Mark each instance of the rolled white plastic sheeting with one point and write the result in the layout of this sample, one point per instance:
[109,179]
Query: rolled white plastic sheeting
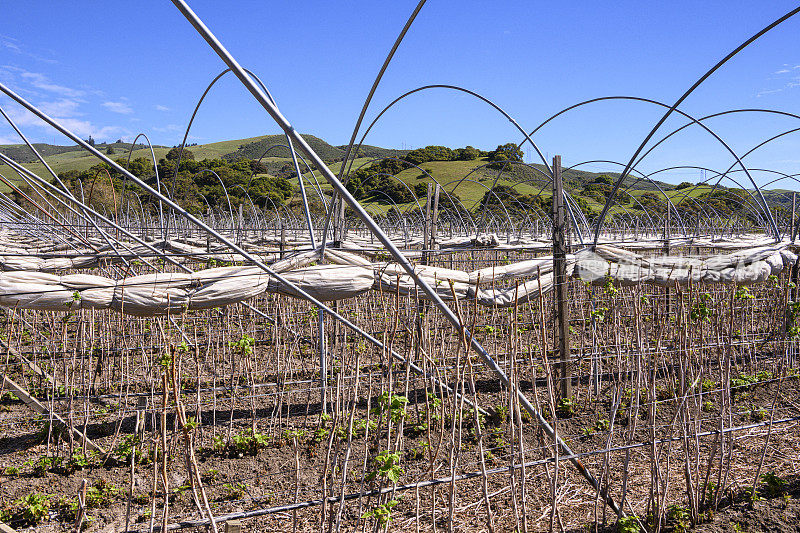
[349,275]
[628,268]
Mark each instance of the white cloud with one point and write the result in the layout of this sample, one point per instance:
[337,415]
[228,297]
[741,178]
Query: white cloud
[161,108]
[61,108]
[167,128]
[10,43]
[40,81]
[118,107]
[64,104]
[84,128]
[788,82]
[14,47]
[767,91]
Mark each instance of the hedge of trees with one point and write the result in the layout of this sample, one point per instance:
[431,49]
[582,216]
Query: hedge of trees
[198,184]
[376,182]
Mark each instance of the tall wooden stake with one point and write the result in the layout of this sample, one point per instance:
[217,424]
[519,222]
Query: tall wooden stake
[795,275]
[667,250]
[241,221]
[560,271]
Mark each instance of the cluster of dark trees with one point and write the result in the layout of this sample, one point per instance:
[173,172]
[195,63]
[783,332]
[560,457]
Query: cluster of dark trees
[600,190]
[517,203]
[376,181]
[197,184]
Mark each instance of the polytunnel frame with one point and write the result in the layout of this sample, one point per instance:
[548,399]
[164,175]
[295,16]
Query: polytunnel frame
[19,220]
[455,88]
[64,223]
[674,108]
[426,173]
[57,180]
[273,111]
[317,187]
[164,228]
[728,112]
[731,168]
[756,209]
[288,140]
[628,188]
[257,262]
[762,143]
[546,180]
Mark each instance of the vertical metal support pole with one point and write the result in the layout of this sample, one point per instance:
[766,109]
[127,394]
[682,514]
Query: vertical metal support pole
[435,217]
[426,233]
[793,223]
[560,271]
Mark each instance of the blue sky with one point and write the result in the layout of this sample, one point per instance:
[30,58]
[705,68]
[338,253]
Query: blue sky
[113,70]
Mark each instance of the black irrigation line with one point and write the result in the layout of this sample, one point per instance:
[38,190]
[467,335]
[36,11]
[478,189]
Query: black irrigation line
[604,376]
[604,351]
[502,453]
[127,411]
[438,481]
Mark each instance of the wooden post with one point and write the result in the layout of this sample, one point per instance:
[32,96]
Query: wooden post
[795,272]
[667,249]
[338,223]
[241,222]
[283,236]
[81,514]
[141,416]
[233,526]
[208,237]
[560,278]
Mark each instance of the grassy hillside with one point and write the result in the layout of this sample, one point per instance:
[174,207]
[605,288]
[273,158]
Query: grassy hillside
[375,152]
[22,154]
[469,180]
[277,144]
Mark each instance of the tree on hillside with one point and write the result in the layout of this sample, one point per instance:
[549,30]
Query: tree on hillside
[503,153]
[173,154]
[602,178]
[468,153]
[506,152]
[429,153]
